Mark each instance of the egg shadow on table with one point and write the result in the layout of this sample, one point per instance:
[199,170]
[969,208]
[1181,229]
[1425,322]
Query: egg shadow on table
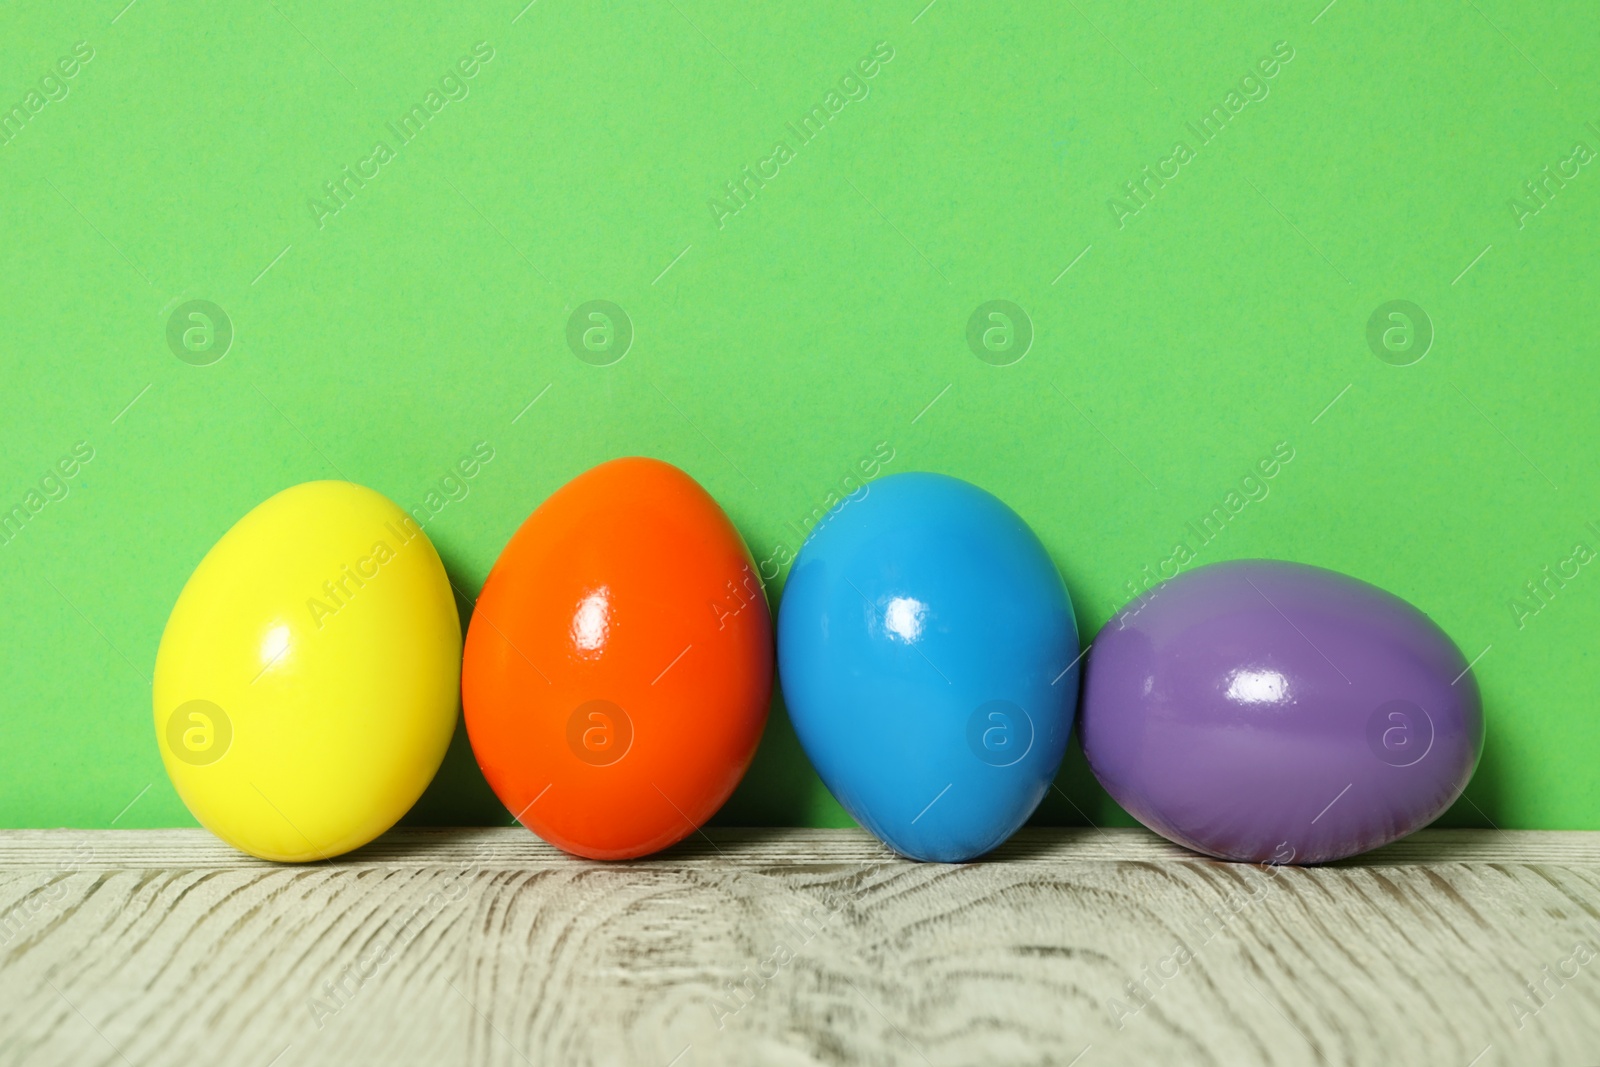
[1478,808]
[1482,804]
[459,795]
[1076,797]
[781,789]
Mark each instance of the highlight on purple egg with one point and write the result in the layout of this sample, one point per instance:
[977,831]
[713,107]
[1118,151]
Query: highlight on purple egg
[1276,712]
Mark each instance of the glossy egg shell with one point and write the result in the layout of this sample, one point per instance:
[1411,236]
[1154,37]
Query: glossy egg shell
[927,649]
[1279,713]
[305,688]
[619,662]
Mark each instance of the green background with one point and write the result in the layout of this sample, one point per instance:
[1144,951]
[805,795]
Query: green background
[775,351]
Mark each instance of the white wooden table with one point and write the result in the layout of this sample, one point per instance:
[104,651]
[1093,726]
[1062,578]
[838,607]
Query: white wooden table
[793,947]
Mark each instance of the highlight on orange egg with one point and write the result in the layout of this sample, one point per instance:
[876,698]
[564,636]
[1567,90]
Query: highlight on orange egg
[619,662]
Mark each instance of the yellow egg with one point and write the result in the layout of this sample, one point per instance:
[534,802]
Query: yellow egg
[308,679]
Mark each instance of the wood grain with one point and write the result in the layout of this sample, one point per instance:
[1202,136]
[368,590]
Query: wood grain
[795,947]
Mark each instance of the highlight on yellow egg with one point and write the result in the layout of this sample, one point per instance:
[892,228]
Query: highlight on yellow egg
[308,679]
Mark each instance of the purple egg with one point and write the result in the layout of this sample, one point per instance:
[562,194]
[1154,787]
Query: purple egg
[1278,713]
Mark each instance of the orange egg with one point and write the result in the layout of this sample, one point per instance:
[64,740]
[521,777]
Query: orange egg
[619,662]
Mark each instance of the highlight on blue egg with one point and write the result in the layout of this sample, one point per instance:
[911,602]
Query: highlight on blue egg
[928,652]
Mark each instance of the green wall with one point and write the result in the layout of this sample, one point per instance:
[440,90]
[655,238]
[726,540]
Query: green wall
[1182,322]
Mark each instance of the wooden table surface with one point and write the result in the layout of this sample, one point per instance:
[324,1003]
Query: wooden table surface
[790,946]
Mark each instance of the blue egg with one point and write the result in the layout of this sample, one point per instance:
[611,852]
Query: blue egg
[928,655]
